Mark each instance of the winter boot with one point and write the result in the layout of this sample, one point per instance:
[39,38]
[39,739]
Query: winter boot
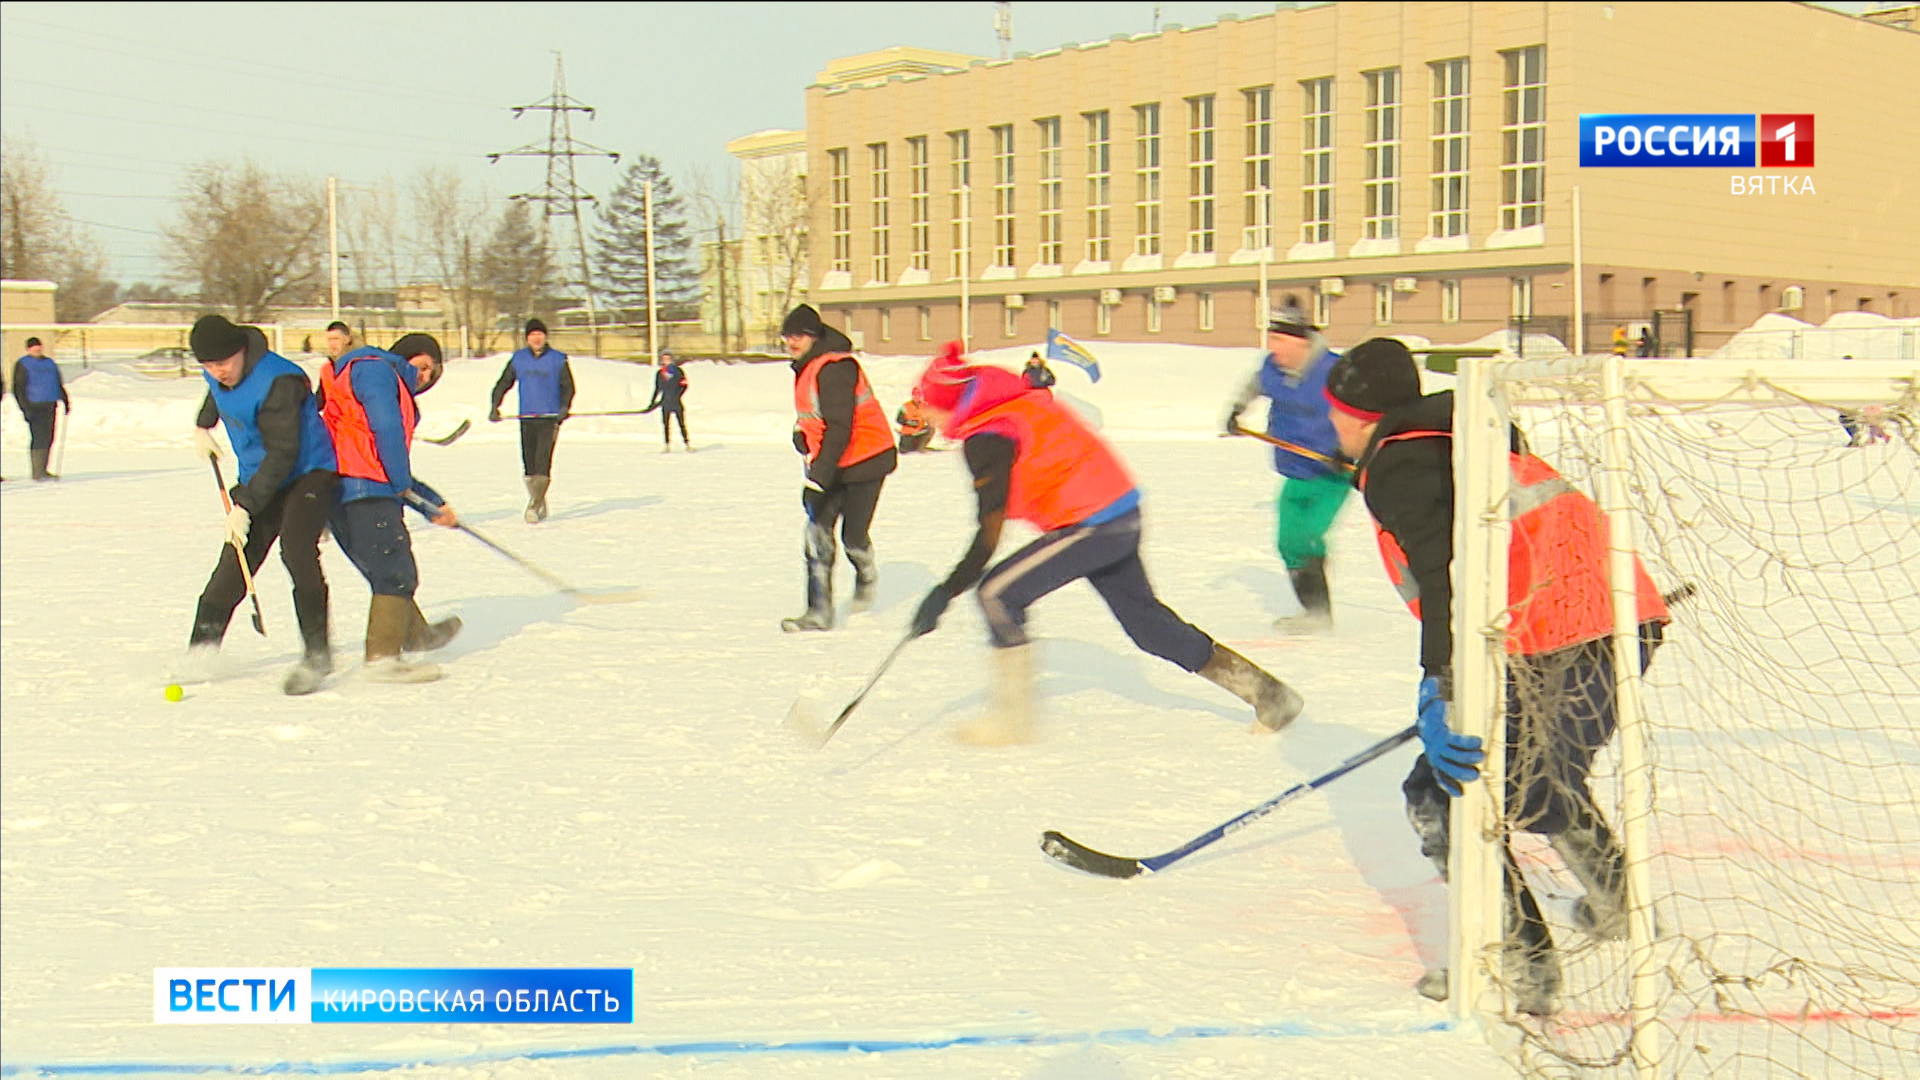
[39,457]
[1008,719]
[1274,703]
[1528,961]
[1310,588]
[819,558]
[1594,856]
[866,578]
[1433,985]
[388,621]
[423,636]
[317,663]
[537,498]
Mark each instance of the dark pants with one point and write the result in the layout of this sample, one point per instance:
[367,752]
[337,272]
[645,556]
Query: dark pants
[295,517]
[40,424]
[666,425]
[537,435]
[913,444]
[374,535]
[852,506]
[1108,556]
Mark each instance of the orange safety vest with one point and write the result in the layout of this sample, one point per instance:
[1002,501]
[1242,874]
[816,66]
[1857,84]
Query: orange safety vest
[913,419]
[1558,589]
[871,432]
[1063,473]
[346,420]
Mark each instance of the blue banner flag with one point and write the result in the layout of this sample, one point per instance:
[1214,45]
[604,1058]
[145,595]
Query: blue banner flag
[1068,351]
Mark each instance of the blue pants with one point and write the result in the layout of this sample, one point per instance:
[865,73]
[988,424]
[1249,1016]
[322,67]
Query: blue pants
[374,536]
[1108,556]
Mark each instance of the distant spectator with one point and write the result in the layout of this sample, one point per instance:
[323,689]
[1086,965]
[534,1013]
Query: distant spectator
[37,388]
[1619,341]
[1037,374]
[1647,346]
[916,427]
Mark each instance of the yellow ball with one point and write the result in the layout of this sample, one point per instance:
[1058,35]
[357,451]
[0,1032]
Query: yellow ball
[174,693]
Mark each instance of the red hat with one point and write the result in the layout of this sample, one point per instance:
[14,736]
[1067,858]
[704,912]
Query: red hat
[945,379]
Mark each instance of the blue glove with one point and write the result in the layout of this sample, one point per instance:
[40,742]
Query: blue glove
[1451,756]
[928,616]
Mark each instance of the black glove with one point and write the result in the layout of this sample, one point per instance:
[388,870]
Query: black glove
[493,414]
[928,616]
[1233,423]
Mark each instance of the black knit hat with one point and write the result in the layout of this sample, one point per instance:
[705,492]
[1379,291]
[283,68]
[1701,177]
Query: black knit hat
[414,345]
[1289,319]
[214,338]
[1374,376]
[32,341]
[535,324]
[340,326]
[803,320]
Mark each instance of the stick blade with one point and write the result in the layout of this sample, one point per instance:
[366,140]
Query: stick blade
[1070,852]
[452,435]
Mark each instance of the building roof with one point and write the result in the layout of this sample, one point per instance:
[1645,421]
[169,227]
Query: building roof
[871,68]
[769,143]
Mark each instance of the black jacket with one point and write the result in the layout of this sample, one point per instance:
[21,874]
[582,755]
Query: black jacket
[1408,487]
[837,381]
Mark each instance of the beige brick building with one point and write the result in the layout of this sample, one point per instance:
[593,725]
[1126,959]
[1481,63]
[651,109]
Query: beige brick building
[1401,168]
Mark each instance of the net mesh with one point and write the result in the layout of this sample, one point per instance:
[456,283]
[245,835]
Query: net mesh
[1783,717]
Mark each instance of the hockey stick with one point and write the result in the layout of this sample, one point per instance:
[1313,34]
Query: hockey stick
[420,504]
[1295,448]
[239,548]
[1081,857]
[450,436]
[60,454]
[574,415]
[862,695]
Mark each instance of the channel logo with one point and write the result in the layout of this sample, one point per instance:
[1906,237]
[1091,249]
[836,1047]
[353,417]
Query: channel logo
[1696,140]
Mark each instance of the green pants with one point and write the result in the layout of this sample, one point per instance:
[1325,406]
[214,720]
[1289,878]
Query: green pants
[1307,509]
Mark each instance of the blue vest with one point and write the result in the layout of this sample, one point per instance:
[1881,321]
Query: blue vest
[240,409]
[43,378]
[1297,412]
[539,380]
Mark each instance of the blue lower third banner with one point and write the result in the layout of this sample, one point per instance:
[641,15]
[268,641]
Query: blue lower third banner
[393,995]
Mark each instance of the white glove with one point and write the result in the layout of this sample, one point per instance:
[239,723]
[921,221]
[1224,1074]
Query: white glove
[238,522]
[203,443]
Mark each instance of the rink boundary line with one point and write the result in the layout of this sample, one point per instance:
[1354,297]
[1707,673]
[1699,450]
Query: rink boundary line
[733,1047]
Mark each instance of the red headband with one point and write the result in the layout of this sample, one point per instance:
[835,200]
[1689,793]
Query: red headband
[1352,410]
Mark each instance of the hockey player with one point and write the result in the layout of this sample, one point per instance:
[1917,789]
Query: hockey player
[286,483]
[1034,460]
[1559,709]
[37,389]
[669,391]
[916,428]
[1037,374]
[369,411]
[842,432]
[339,339]
[546,397]
[1291,378]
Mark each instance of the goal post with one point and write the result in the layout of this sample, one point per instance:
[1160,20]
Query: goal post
[1761,796]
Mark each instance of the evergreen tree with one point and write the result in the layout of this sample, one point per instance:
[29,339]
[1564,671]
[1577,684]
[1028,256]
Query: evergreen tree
[620,244]
[516,264]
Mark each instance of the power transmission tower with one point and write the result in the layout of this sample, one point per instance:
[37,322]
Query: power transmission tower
[562,194]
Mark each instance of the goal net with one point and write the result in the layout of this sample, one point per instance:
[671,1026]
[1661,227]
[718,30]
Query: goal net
[1759,807]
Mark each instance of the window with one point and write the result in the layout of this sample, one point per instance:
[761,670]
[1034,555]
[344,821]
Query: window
[1053,314]
[1102,318]
[1050,193]
[1522,307]
[920,202]
[1316,161]
[1259,186]
[881,233]
[1200,174]
[1003,195]
[1206,311]
[1382,151]
[960,201]
[886,324]
[1449,301]
[1449,149]
[1146,179]
[1099,187]
[1322,309]
[840,195]
[1009,320]
[1382,304]
[1153,315]
[926,324]
[1523,137]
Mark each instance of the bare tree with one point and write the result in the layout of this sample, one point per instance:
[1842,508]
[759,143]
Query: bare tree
[39,241]
[247,240]
[714,203]
[448,228]
[517,264]
[370,224]
[775,204]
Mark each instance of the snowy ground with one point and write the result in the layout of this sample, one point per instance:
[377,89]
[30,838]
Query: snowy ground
[614,785]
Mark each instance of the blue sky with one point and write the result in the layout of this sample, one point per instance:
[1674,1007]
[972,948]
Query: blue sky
[118,98]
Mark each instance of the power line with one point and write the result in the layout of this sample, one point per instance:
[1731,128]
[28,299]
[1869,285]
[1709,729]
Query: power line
[251,134]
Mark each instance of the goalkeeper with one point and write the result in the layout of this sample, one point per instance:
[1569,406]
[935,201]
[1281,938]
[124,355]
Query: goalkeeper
[1559,709]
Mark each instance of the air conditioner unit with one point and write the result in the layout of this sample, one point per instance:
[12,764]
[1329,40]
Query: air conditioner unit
[1163,294]
[1015,301]
[1793,298]
[1406,284]
[1110,297]
[1333,286]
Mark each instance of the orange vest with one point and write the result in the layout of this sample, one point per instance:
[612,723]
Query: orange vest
[871,432]
[346,421]
[1062,472]
[1558,589]
[913,419]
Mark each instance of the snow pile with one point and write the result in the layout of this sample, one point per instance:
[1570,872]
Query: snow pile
[1861,335]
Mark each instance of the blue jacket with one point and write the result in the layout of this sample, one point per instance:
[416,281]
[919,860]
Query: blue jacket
[36,381]
[1297,412]
[274,426]
[546,382]
[378,379]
